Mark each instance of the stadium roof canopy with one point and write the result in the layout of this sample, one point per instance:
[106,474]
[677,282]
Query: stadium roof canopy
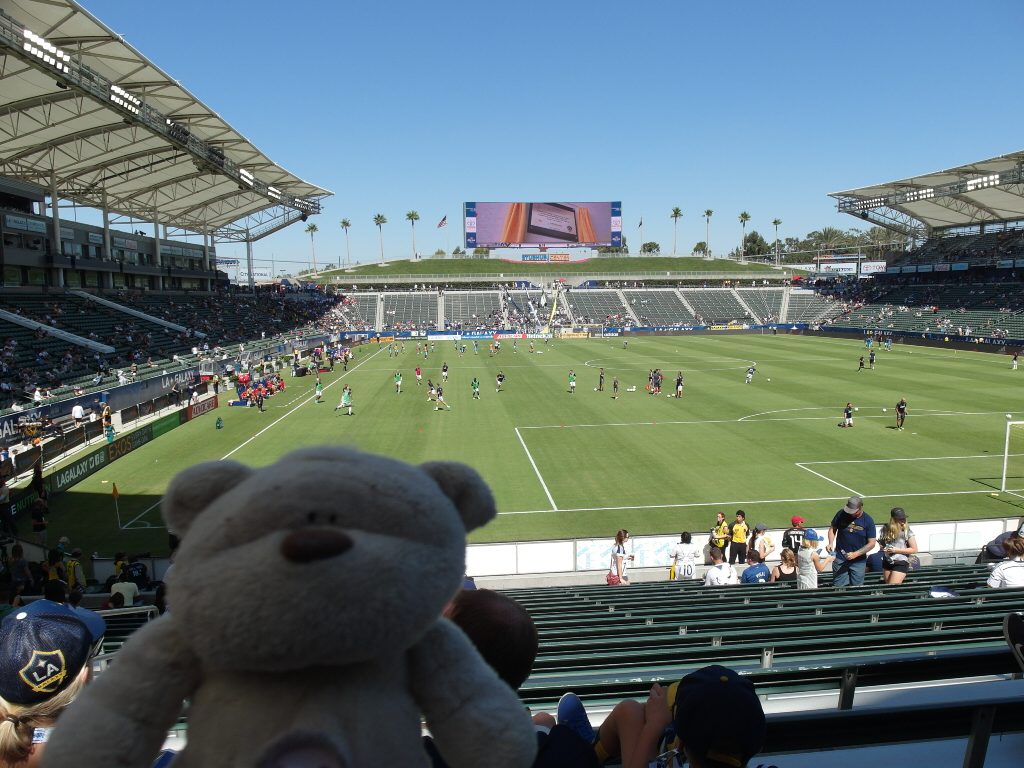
[985,192]
[84,114]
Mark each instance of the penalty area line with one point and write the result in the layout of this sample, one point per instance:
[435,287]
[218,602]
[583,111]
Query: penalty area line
[551,501]
[830,480]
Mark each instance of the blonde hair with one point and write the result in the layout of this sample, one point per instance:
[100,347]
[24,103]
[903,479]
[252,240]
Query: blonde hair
[893,530]
[809,543]
[18,720]
[788,556]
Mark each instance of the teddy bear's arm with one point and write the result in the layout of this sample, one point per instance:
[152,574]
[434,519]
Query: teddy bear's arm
[475,718]
[122,718]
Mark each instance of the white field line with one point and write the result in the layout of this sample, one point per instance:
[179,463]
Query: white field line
[154,506]
[919,458]
[935,352]
[918,412]
[293,410]
[554,507]
[748,420]
[830,480]
[128,525]
[144,524]
[745,502]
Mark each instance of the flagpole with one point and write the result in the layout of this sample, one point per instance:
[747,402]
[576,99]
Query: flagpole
[117,508]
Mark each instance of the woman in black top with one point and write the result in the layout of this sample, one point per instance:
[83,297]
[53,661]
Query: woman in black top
[786,570]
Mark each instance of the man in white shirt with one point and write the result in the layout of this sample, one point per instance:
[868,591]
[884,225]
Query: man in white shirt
[78,414]
[720,572]
[128,589]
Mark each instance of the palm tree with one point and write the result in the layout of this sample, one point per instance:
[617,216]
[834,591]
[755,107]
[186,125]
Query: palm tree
[412,217]
[708,213]
[676,215]
[776,223]
[345,224]
[312,229]
[380,220]
[744,218]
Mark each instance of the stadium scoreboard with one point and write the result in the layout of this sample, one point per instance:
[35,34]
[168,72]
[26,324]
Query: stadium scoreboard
[517,225]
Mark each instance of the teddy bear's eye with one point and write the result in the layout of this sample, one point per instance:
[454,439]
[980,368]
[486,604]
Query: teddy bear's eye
[333,519]
[311,517]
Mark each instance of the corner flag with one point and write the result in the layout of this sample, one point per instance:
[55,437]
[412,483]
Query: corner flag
[114,492]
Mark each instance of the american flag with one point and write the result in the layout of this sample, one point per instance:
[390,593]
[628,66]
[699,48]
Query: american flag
[443,222]
[641,224]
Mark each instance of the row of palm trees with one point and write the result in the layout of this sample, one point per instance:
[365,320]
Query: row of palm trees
[379,220]
[744,217]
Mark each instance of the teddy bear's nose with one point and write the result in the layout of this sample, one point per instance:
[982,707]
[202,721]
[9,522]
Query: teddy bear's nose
[311,544]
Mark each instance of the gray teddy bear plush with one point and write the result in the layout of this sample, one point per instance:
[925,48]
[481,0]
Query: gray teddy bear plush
[304,626]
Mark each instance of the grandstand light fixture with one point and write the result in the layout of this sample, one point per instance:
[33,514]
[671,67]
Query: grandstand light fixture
[873,202]
[920,194]
[125,100]
[46,52]
[247,177]
[274,192]
[983,181]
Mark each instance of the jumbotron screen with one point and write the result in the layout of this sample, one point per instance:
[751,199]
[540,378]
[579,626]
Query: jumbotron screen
[511,225]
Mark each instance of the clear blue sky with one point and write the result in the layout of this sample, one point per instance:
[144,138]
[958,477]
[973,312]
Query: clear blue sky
[756,106]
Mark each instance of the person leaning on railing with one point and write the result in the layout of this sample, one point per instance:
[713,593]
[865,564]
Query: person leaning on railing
[995,550]
[1010,572]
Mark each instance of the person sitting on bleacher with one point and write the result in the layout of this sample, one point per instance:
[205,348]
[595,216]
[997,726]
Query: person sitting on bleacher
[33,694]
[995,551]
[1010,572]
[506,637]
[787,568]
[719,572]
[137,572]
[125,587]
[756,572]
[712,718]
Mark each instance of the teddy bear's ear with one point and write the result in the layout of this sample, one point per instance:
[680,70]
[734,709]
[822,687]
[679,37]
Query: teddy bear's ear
[192,490]
[467,490]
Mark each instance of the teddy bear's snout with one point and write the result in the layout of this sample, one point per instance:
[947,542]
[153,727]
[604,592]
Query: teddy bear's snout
[310,544]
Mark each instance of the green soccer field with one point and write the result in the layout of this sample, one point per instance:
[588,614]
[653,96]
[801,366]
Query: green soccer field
[584,465]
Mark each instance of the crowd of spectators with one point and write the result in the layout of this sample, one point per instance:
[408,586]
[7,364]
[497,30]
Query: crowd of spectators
[210,323]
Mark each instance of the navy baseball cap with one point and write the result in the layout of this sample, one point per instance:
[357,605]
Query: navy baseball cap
[95,623]
[718,716]
[40,655]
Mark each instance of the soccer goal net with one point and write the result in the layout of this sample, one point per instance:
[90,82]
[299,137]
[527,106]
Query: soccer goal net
[1013,458]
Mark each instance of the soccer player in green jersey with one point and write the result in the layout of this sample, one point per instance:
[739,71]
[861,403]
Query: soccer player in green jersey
[475,385]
